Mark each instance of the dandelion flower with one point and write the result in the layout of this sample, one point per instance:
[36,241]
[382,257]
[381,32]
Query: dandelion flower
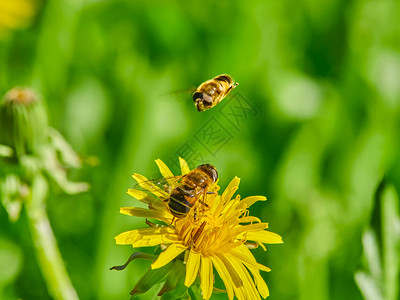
[215,234]
[15,14]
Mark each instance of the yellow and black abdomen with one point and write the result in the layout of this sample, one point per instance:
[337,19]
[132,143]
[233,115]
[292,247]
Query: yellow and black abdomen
[224,78]
[178,202]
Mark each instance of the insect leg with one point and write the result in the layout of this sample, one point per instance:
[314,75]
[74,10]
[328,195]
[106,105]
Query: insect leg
[151,224]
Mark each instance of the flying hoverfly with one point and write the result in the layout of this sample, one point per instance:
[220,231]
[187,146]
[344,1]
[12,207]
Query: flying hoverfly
[187,190]
[213,91]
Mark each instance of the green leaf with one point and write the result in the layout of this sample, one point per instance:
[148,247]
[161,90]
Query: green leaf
[381,248]
[391,249]
[372,254]
[12,194]
[368,286]
[10,261]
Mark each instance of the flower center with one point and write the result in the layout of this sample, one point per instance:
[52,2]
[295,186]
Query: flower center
[209,233]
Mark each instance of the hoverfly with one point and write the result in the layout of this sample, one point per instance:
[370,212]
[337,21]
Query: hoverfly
[187,189]
[213,91]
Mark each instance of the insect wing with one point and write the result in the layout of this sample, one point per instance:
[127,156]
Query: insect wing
[178,96]
[159,189]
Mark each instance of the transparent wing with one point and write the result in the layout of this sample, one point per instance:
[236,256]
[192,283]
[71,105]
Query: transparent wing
[160,194]
[178,95]
[159,187]
[156,192]
[179,98]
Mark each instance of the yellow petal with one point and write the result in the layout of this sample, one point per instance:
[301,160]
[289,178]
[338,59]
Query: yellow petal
[216,200]
[248,259]
[169,254]
[165,172]
[245,230]
[260,283]
[143,212]
[139,195]
[237,281]
[262,246]
[186,256]
[147,237]
[224,274]
[245,252]
[150,186]
[206,277]
[234,278]
[192,268]
[230,190]
[184,166]
[147,199]
[230,206]
[250,219]
[264,236]
[248,284]
[249,201]
[254,269]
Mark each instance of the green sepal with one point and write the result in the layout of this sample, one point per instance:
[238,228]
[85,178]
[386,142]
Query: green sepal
[175,295]
[133,256]
[195,291]
[174,287]
[12,195]
[151,278]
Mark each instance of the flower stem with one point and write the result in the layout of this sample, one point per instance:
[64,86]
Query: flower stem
[47,252]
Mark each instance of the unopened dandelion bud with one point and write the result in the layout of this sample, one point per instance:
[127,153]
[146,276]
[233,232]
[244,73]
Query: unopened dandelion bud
[23,121]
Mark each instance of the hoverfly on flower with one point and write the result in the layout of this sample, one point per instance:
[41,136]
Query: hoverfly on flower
[181,193]
[195,244]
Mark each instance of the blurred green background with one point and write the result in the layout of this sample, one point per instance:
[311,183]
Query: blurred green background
[321,81]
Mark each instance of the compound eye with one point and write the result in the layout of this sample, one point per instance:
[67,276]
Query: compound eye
[210,170]
[198,96]
[214,174]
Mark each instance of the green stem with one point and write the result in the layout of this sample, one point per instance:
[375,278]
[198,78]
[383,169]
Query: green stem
[47,252]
